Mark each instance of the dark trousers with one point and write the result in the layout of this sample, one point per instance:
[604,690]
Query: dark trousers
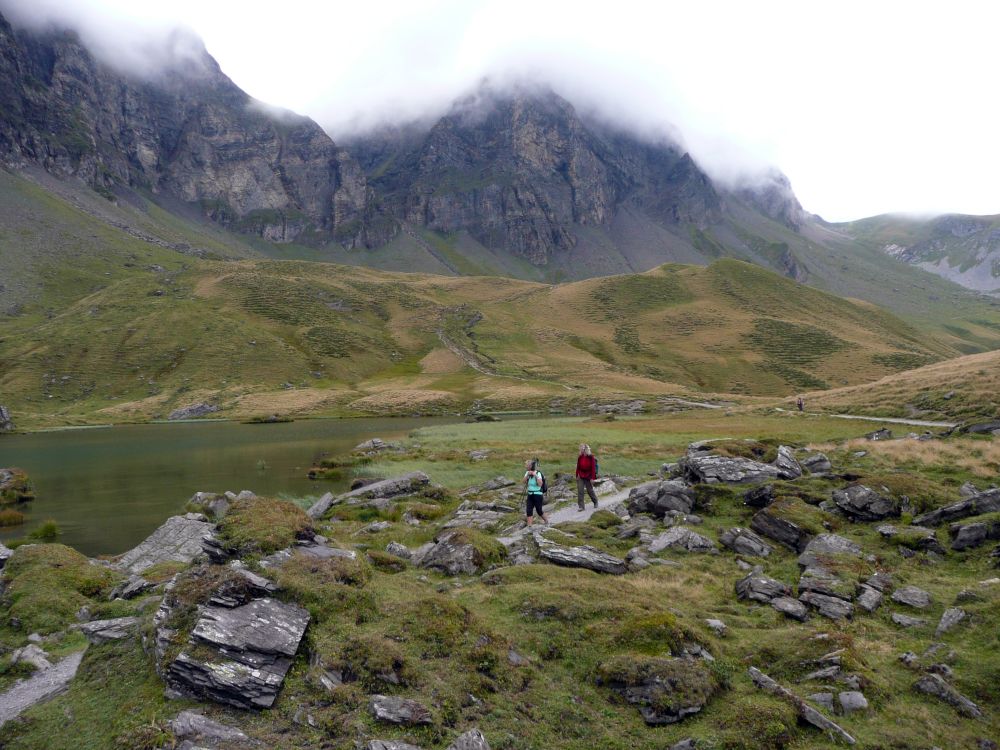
[581,485]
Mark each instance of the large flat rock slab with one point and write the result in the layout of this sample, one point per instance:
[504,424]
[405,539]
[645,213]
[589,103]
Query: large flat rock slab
[38,688]
[177,540]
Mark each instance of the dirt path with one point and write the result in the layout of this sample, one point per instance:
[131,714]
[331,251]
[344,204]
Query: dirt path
[40,687]
[568,512]
[889,420]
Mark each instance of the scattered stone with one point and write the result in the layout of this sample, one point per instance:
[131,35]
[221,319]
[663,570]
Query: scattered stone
[191,725]
[745,542]
[192,410]
[807,712]
[634,526]
[932,684]
[375,446]
[822,581]
[906,621]
[396,710]
[984,502]
[399,550]
[582,557]
[967,596]
[825,546]
[816,463]
[374,527]
[949,619]
[31,654]
[909,658]
[791,608]
[769,524]
[307,548]
[920,537]
[759,497]
[826,673]
[852,701]
[656,498]
[881,581]
[103,631]
[788,467]
[665,690]
[253,646]
[712,469]
[761,588]
[860,503]
[390,745]
[471,740]
[968,490]
[825,700]
[515,659]
[179,539]
[688,743]
[717,626]
[38,688]
[912,597]
[969,535]
[479,455]
[130,588]
[6,421]
[452,555]
[880,434]
[681,537]
[829,606]
[869,598]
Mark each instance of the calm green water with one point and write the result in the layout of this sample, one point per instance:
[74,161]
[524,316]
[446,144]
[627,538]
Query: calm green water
[109,488]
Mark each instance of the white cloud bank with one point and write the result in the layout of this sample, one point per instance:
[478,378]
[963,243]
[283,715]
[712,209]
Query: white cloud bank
[867,107]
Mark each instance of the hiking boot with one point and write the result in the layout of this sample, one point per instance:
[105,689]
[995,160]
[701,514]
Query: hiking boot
[580,508]
[595,503]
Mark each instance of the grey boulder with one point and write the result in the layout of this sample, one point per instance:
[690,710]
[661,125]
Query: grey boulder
[581,557]
[969,535]
[471,740]
[744,542]
[790,607]
[681,537]
[179,539]
[869,598]
[983,502]
[949,619]
[832,607]
[102,631]
[934,685]
[852,701]
[816,463]
[905,621]
[712,469]
[452,556]
[770,524]
[656,498]
[860,503]
[395,710]
[385,489]
[912,597]
[825,546]
[390,745]
[191,725]
[786,463]
[761,588]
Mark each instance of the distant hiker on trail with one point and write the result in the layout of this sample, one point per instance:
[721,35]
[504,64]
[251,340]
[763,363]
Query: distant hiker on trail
[800,403]
[586,473]
[535,488]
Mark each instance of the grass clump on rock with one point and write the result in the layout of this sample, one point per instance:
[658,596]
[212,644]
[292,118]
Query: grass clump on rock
[655,634]
[328,586]
[49,583]
[488,550]
[15,486]
[263,526]
[674,685]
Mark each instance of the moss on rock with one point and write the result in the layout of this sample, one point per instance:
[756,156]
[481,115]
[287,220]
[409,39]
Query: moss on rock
[263,525]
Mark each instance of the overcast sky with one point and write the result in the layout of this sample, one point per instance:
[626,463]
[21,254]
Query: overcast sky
[868,107]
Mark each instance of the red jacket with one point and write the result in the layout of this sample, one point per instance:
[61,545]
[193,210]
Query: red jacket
[585,467]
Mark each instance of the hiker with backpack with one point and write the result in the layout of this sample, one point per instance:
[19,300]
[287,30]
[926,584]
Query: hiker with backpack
[535,488]
[586,473]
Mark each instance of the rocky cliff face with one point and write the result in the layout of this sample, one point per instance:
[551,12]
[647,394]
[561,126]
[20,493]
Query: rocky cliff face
[190,133]
[521,170]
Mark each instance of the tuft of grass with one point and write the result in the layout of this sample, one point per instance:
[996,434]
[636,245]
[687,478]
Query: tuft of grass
[263,525]
[10,517]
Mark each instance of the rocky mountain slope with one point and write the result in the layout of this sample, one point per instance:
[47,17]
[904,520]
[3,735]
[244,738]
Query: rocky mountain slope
[963,249]
[187,133]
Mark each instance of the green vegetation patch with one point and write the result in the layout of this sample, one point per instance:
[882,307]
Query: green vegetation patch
[795,344]
[923,493]
[676,683]
[16,486]
[48,583]
[263,526]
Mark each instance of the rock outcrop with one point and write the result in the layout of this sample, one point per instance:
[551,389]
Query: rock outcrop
[712,469]
[252,647]
[805,711]
[656,498]
[744,542]
[395,710]
[581,557]
[383,490]
[179,539]
[862,503]
[978,504]
[6,420]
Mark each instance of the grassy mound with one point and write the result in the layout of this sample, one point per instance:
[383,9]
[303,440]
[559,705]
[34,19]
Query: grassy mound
[262,526]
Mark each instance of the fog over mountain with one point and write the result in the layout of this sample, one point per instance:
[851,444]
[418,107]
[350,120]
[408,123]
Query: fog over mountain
[860,106]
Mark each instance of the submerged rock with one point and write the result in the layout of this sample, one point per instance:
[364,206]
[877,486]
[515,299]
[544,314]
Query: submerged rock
[179,539]
[15,486]
[252,648]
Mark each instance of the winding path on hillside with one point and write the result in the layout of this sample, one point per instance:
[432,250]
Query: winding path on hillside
[889,420]
[568,513]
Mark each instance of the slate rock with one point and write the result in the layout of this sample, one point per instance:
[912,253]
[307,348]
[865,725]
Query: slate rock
[825,700]
[253,646]
[822,581]
[934,685]
[761,588]
[390,745]
[399,550]
[717,626]
[881,434]
[179,539]
[832,607]
[396,710]
[791,608]
[968,489]
[881,581]
[805,711]
[759,497]
[825,546]
[712,469]
[32,654]
[103,631]
[744,542]
[906,621]
[912,597]
[949,619]
[984,502]
[852,701]
[191,725]
[860,503]
[786,463]
[869,598]
[816,463]
[681,537]
[656,498]
[969,535]
[452,556]
[130,588]
[384,489]
[192,410]
[771,525]
[5,554]
[581,557]
[307,548]
[471,740]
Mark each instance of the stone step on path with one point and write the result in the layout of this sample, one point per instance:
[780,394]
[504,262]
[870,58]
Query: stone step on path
[38,688]
[568,513]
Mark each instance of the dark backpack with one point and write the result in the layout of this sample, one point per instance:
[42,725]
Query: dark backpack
[597,468]
[545,484]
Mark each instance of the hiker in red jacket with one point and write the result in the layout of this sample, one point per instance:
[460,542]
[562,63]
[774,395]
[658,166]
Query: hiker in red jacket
[586,473]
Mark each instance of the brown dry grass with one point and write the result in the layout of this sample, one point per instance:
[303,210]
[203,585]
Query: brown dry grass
[979,457]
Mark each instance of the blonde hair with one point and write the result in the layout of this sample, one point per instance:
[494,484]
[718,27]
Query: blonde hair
[585,449]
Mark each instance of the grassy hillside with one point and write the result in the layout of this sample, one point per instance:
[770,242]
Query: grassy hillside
[967,388]
[258,337]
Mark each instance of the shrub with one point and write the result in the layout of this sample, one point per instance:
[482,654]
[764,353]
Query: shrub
[46,531]
[10,517]
[263,526]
